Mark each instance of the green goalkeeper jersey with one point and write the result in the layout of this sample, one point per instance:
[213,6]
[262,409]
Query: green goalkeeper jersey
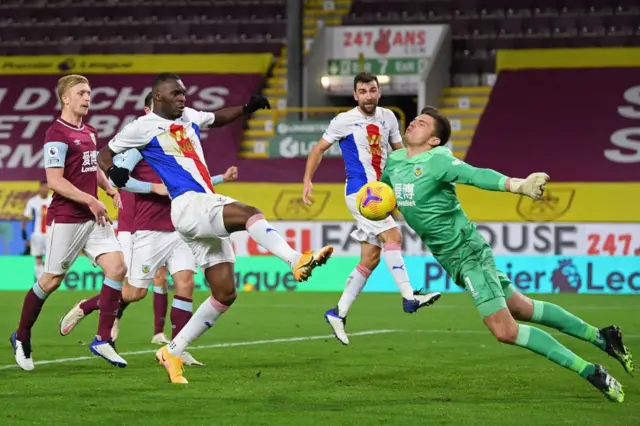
[425,188]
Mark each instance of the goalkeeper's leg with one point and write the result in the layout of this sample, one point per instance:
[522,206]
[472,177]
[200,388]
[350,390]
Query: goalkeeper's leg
[477,272]
[608,339]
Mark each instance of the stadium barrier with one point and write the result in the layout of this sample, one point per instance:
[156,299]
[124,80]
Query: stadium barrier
[530,274]
[505,238]
[564,202]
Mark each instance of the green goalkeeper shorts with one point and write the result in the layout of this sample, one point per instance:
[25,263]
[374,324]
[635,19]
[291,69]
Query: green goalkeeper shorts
[473,267]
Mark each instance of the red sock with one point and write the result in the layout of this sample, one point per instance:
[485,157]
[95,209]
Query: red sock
[110,295]
[31,308]
[160,303]
[180,314]
[90,305]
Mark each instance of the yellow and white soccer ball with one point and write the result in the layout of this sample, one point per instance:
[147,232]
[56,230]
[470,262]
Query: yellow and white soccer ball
[376,201]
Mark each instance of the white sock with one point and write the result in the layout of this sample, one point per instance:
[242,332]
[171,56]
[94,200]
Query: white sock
[395,263]
[159,289]
[352,289]
[202,320]
[266,235]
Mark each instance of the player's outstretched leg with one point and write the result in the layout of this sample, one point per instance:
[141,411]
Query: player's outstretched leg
[240,217]
[223,294]
[608,339]
[160,305]
[392,254]
[506,330]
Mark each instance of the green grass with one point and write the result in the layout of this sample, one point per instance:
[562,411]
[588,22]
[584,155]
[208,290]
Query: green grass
[438,367]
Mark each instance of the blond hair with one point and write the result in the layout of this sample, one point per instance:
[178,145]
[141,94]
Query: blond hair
[67,82]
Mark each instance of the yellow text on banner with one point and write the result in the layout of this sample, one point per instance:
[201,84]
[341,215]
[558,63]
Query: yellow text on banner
[240,63]
[598,57]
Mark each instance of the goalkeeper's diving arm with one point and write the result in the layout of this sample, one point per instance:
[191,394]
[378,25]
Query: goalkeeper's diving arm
[446,168]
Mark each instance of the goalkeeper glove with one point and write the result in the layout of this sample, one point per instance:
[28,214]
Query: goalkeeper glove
[118,175]
[255,103]
[533,186]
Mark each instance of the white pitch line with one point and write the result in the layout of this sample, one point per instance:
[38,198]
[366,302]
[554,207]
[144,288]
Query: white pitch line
[217,345]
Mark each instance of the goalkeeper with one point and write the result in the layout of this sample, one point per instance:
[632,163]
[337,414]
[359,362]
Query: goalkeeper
[423,176]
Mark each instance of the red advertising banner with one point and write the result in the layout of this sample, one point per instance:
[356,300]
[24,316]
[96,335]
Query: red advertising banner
[577,125]
[28,104]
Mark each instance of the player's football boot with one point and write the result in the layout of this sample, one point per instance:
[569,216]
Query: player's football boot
[115,330]
[71,319]
[419,301]
[308,261]
[173,365]
[106,349]
[188,359]
[338,325]
[606,384]
[159,339]
[22,352]
[615,348]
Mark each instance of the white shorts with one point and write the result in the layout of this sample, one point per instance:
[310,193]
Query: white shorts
[38,245]
[153,249]
[126,242]
[368,230]
[198,219]
[65,241]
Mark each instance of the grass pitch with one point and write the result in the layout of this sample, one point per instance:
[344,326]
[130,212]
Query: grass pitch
[270,361]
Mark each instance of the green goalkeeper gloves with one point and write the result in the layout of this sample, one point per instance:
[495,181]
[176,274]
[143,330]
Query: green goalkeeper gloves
[533,186]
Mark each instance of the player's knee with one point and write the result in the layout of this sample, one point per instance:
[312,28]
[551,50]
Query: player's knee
[133,294]
[370,260]
[393,236]
[184,285]
[50,283]
[116,271]
[251,211]
[225,296]
[506,333]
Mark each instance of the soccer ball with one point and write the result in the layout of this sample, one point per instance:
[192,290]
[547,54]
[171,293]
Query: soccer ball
[376,201]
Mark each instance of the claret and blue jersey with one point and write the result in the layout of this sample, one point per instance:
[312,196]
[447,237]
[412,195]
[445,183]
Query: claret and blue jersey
[172,149]
[365,142]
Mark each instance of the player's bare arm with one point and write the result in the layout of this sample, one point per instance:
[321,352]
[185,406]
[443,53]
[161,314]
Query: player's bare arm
[103,183]
[313,161]
[225,116]
[397,145]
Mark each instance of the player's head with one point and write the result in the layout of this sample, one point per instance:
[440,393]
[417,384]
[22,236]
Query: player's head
[429,128]
[148,103]
[169,96]
[74,93]
[366,92]
[43,190]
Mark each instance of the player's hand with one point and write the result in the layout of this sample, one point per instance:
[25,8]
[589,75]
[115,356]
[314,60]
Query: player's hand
[307,193]
[231,174]
[160,189]
[255,103]
[119,176]
[533,186]
[117,201]
[99,211]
